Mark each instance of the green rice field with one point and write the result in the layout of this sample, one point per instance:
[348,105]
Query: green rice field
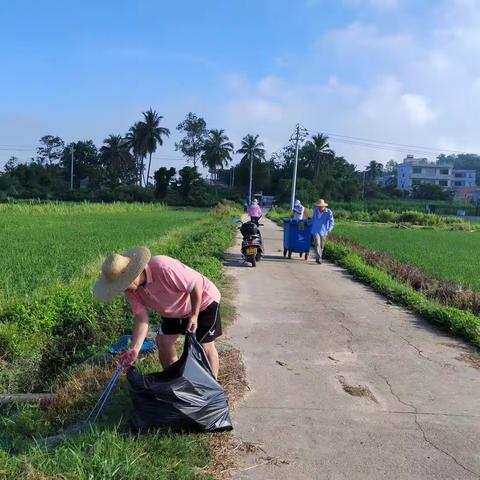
[44,244]
[451,255]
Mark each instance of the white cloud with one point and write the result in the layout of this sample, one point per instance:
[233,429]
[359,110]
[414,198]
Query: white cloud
[378,4]
[387,103]
[271,86]
[262,110]
[384,3]
[417,108]
[365,39]
[405,85]
[236,82]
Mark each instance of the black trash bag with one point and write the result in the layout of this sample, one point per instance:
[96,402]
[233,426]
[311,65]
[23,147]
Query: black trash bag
[184,397]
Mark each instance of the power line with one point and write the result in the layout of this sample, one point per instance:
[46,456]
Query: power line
[333,137]
[386,143]
[16,145]
[18,149]
[386,147]
[383,147]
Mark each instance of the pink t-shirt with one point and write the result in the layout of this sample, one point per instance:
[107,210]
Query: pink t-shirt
[254,211]
[167,289]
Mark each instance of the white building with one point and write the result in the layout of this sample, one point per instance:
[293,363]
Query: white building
[416,171]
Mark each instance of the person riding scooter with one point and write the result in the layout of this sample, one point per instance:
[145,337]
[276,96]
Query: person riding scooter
[254,212]
[252,244]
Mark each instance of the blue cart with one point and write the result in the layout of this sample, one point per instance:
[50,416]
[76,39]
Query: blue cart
[297,237]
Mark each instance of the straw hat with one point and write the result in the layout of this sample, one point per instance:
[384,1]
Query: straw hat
[119,271]
[321,203]
[254,200]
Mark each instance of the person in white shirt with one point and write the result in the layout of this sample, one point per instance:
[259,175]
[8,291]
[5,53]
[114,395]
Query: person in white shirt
[298,210]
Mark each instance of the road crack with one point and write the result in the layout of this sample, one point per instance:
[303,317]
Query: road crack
[395,395]
[339,312]
[418,350]
[418,424]
[342,324]
[436,447]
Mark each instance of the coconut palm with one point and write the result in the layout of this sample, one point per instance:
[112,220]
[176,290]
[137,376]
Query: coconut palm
[117,159]
[252,148]
[133,140]
[316,150]
[253,151]
[217,150]
[151,134]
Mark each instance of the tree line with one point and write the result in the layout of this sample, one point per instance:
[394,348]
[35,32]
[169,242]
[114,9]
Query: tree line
[121,169]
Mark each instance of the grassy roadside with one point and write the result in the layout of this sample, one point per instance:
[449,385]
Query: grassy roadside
[107,451]
[449,256]
[461,322]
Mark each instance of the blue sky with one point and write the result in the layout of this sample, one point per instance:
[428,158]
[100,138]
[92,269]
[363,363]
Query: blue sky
[402,71]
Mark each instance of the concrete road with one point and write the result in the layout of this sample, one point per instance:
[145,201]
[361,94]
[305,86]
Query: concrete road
[343,384]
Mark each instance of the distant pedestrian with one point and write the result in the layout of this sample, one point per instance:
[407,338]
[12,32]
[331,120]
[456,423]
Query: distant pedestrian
[254,211]
[245,206]
[322,225]
[298,210]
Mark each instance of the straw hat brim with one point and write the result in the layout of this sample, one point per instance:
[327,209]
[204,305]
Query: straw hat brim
[321,204]
[106,290]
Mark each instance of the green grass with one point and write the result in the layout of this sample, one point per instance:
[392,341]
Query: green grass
[450,255]
[110,455]
[44,244]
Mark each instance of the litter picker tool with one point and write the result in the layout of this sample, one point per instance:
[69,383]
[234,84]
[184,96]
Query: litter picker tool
[95,412]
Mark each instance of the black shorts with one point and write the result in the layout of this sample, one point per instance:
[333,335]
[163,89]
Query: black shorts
[208,329]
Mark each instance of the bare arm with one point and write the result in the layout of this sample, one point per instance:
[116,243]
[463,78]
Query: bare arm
[139,332]
[196,301]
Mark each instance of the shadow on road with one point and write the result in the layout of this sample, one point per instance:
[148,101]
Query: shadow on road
[236,260]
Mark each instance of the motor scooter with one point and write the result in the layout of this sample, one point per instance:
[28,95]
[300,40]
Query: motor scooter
[252,243]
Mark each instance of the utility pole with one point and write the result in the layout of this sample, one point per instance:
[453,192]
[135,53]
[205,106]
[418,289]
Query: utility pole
[233,177]
[71,168]
[251,179]
[363,187]
[299,135]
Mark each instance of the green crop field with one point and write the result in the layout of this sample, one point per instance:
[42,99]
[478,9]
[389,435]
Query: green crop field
[42,244]
[451,255]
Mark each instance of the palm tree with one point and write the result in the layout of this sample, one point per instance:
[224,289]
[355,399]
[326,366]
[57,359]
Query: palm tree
[252,148]
[253,151]
[151,134]
[217,151]
[116,158]
[317,149]
[133,140]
